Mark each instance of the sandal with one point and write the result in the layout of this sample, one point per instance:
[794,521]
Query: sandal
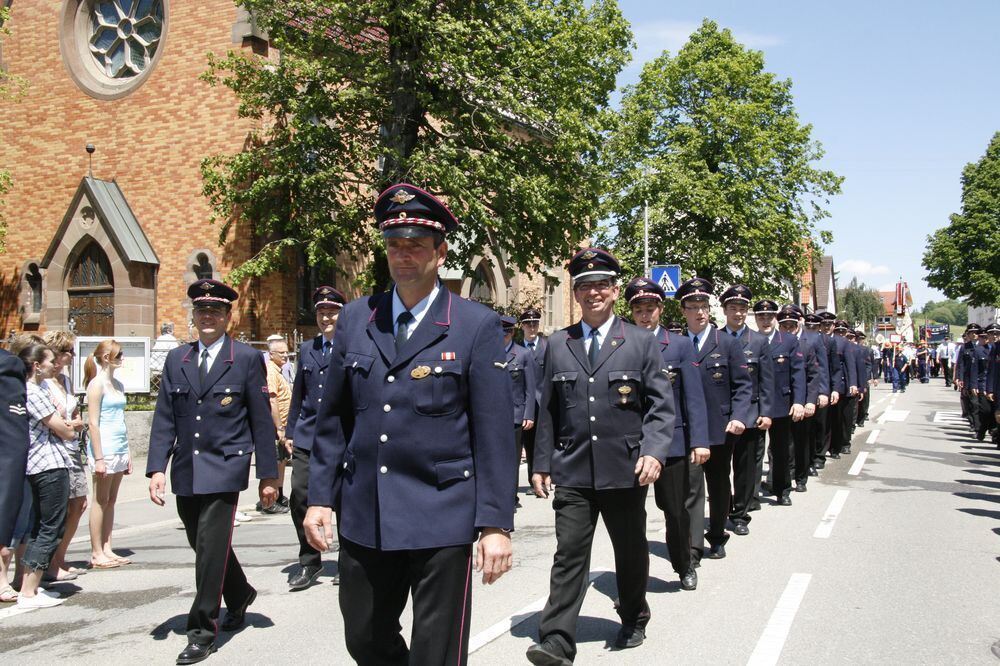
[121,560]
[8,595]
[110,564]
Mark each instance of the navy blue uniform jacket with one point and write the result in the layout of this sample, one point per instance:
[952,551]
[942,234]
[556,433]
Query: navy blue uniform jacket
[521,367]
[595,423]
[13,441]
[690,418]
[538,353]
[726,382]
[208,432]
[817,366]
[761,370]
[416,450]
[307,393]
[789,382]
[843,371]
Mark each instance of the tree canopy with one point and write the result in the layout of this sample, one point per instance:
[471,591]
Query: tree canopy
[946,312]
[963,258]
[495,106]
[712,142]
[859,304]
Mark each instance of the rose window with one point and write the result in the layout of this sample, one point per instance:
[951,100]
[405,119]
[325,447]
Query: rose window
[124,35]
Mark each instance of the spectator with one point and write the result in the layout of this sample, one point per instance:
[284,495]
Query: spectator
[162,346]
[61,392]
[108,449]
[48,474]
[280,393]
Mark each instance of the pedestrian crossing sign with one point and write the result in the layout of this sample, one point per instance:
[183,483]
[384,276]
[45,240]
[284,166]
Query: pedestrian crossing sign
[668,277]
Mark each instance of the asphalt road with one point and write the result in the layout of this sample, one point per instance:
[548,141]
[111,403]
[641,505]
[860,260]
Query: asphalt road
[890,557]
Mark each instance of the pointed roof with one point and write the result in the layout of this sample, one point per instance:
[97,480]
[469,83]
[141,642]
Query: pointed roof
[115,215]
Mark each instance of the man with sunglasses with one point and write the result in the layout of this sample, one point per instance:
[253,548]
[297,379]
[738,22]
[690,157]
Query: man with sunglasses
[212,413]
[604,433]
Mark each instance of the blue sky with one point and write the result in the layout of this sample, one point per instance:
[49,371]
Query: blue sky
[901,95]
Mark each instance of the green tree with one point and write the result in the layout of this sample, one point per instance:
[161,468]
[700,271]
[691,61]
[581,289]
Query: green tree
[713,143]
[11,88]
[963,258]
[946,312]
[496,106]
[859,304]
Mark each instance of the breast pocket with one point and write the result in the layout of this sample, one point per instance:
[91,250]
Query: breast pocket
[718,373]
[358,368]
[228,397]
[623,388]
[436,386]
[564,387]
[517,379]
[180,396]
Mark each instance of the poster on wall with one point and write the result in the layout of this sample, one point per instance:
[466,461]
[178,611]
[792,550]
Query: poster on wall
[134,370]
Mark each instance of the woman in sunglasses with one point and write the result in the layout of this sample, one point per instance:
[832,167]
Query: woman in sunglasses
[108,450]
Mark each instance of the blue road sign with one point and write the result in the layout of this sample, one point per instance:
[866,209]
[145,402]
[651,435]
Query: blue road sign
[668,277]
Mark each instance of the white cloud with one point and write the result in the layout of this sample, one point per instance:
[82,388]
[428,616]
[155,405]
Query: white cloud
[889,286]
[861,268]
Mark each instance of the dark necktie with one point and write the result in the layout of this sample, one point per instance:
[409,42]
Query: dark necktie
[327,347]
[695,340]
[531,346]
[595,348]
[402,323]
[203,368]
[736,334]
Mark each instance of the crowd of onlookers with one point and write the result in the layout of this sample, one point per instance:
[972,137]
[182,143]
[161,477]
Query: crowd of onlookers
[77,456]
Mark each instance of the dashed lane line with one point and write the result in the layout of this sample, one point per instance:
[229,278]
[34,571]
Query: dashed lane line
[872,436]
[769,646]
[494,632]
[859,462]
[893,415]
[830,517]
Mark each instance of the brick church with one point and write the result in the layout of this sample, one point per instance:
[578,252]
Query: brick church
[106,241]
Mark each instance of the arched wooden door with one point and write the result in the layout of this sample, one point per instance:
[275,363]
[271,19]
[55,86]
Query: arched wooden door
[92,293]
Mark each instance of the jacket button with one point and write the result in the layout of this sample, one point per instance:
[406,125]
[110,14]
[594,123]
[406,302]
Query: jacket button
[390,378]
[383,469]
[593,438]
[592,398]
[591,380]
[240,452]
[624,376]
[345,465]
[384,438]
[199,402]
[197,435]
[437,370]
[466,473]
[386,408]
[319,399]
[593,418]
[197,418]
[196,452]
[227,390]
[321,386]
[321,372]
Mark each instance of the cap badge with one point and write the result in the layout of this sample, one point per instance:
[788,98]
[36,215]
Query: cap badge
[420,372]
[325,292]
[205,286]
[589,254]
[401,197]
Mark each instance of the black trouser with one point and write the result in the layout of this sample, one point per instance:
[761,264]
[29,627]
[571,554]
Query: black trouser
[820,443]
[780,436]
[374,587]
[746,478]
[694,504]
[208,523]
[528,444]
[671,492]
[863,406]
[49,494]
[965,400]
[624,515]
[945,368]
[802,442]
[519,446]
[308,556]
[720,493]
[984,410]
[843,420]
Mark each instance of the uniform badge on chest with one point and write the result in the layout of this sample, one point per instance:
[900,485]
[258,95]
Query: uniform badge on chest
[420,372]
[624,392]
[717,375]
[226,401]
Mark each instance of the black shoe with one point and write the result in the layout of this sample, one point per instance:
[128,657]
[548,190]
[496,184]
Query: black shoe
[235,617]
[846,451]
[716,552]
[629,637]
[835,456]
[981,436]
[765,488]
[740,528]
[800,487]
[546,654]
[275,508]
[820,465]
[304,578]
[336,579]
[813,471]
[517,503]
[283,500]
[785,501]
[689,581]
[195,652]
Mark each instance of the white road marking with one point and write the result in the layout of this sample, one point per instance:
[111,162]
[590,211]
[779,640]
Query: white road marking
[771,642]
[13,610]
[949,417]
[898,415]
[872,436]
[859,462]
[830,517]
[494,632]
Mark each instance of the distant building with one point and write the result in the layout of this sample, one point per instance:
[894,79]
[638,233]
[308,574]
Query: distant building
[986,314]
[818,286]
[897,306]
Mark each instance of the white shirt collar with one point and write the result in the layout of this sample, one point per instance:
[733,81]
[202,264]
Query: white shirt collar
[213,350]
[602,330]
[701,337]
[418,311]
[739,333]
